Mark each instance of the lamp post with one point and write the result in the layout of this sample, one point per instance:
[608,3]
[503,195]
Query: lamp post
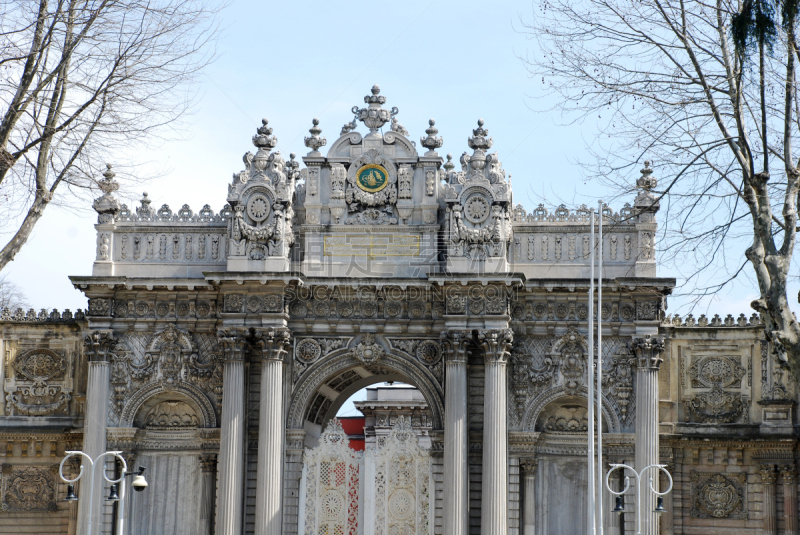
[659,507]
[115,495]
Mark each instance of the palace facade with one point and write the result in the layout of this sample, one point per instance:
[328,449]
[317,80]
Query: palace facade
[217,348]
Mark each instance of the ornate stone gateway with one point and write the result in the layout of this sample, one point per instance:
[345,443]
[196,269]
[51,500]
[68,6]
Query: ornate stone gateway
[218,345]
[395,481]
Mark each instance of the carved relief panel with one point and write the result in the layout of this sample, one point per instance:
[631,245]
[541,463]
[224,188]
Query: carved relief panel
[29,489]
[39,382]
[716,381]
[169,360]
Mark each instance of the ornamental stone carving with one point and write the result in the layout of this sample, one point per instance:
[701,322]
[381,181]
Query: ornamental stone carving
[368,351]
[171,415]
[371,183]
[40,384]
[29,489]
[716,495]
[171,360]
[479,203]
[261,198]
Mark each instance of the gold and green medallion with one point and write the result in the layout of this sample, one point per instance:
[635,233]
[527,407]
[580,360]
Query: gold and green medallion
[372,178]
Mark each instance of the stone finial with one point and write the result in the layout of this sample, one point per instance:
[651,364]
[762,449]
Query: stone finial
[432,142]
[480,140]
[647,182]
[315,141]
[107,205]
[449,165]
[264,139]
[374,116]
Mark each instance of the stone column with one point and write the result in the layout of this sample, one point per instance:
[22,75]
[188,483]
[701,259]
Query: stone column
[648,359]
[528,467]
[97,346]
[274,345]
[208,492]
[496,344]
[768,477]
[456,471]
[230,503]
[789,480]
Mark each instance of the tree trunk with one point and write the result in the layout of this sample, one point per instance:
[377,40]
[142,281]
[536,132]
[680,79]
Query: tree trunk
[35,212]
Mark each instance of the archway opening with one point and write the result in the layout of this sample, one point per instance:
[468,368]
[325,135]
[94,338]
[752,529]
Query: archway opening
[368,405]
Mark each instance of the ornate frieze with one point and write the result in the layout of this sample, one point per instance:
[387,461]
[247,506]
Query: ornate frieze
[718,495]
[29,489]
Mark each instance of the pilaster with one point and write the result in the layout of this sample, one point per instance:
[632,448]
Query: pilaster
[529,467]
[768,478]
[230,502]
[208,490]
[789,480]
[456,471]
[274,345]
[648,359]
[496,344]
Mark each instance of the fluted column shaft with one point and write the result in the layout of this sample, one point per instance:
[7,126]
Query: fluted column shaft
[529,467]
[648,357]
[789,480]
[770,505]
[494,490]
[274,345]
[456,474]
[230,501]
[97,346]
[208,493]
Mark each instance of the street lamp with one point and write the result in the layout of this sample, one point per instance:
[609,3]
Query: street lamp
[139,483]
[638,496]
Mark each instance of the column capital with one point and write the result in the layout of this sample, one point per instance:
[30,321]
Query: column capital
[273,342]
[648,352]
[768,474]
[208,462]
[529,466]
[788,474]
[98,345]
[233,342]
[455,345]
[496,344]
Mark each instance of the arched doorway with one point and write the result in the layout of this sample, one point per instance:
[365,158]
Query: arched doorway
[322,388]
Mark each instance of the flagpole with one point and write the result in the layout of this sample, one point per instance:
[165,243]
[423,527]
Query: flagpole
[600,370]
[590,382]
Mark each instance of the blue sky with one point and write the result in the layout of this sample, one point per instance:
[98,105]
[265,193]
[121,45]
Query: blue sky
[291,62]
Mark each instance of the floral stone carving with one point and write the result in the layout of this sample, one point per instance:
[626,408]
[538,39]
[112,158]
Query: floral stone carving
[33,391]
[716,495]
[29,489]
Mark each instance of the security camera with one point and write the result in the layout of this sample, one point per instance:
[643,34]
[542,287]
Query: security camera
[139,482]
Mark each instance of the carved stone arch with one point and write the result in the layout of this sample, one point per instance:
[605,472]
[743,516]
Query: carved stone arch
[390,365]
[341,147]
[192,394]
[534,409]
